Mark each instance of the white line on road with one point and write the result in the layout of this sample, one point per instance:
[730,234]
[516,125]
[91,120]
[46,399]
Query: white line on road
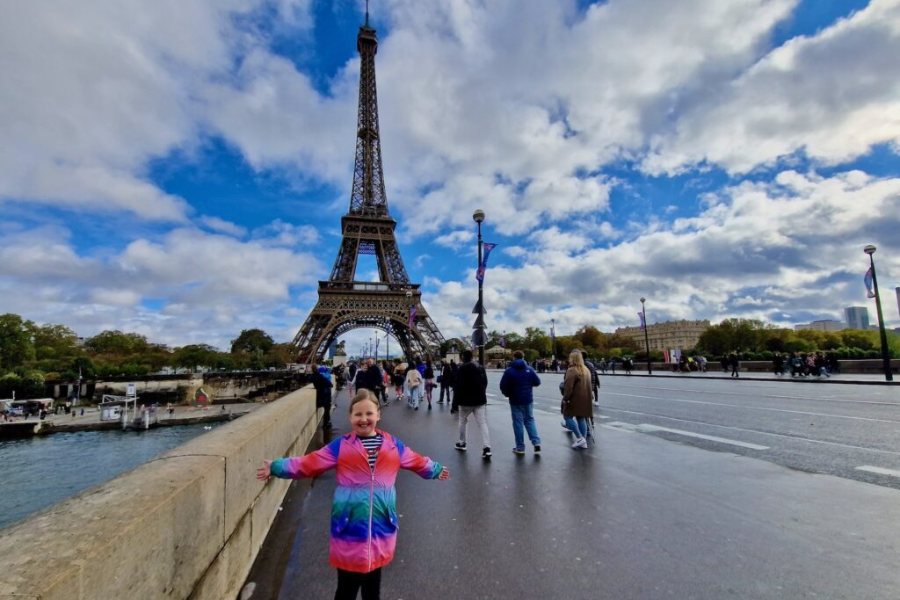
[878,471]
[759,395]
[782,410]
[730,427]
[647,428]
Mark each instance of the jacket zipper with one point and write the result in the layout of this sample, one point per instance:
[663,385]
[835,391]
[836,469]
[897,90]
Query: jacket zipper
[371,509]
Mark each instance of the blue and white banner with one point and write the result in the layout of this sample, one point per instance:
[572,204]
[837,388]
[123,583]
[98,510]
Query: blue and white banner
[868,279]
[483,266]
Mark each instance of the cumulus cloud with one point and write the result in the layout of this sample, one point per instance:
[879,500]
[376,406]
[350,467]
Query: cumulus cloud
[223,226]
[760,250]
[93,91]
[832,96]
[213,282]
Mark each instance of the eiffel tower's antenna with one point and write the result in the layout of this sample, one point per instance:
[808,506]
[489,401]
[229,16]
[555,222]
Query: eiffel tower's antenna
[367,13]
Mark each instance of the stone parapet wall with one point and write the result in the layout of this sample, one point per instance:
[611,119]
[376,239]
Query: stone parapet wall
[184,526]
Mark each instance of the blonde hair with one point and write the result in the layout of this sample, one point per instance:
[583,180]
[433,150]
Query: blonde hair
[363,395]
[576,359]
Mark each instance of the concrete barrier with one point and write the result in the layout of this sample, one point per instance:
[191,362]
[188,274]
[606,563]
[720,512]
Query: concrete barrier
[186,525]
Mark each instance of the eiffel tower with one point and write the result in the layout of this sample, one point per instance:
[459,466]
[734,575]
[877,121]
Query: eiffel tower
[393,303]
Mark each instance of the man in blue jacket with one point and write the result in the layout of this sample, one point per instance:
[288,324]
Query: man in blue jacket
[517,384]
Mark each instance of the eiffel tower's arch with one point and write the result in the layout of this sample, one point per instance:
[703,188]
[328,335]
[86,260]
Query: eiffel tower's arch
[394,302]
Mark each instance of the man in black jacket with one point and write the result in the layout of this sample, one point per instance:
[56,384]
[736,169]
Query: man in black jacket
[595,380]
[448,380]
[470,397]
[323,394]
[373,380]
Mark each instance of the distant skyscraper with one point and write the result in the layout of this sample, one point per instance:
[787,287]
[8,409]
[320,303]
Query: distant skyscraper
[857,317]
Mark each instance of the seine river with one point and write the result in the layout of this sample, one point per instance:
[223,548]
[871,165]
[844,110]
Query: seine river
[40,471]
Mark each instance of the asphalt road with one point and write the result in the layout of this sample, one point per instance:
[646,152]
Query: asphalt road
[643,514]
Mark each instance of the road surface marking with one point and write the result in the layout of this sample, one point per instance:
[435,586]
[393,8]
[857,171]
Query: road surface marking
[647,428]
[758,395]
[732,428]
[878,471]
[783,410]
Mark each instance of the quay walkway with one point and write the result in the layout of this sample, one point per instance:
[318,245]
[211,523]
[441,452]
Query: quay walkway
[634,517]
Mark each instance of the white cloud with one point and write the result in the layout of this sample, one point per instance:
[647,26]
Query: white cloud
[280,233]
[93,91]
[762,250]
[455,238]
[833,96]
[215,283]
[223,226]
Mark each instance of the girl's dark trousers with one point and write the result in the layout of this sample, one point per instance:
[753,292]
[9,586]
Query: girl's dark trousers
[349,584]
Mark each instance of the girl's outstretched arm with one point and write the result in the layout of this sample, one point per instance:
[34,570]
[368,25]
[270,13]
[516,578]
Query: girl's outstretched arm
[298,467]
[421,465]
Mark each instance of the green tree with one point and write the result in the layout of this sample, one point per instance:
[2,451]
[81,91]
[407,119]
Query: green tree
[117,343]
[590,336]
[251,340]
[860,338]
[16,341]
[195,355]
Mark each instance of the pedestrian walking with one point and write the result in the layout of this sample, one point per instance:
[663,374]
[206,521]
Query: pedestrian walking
[364,515]
[735,365]
[323,386]
[428,375]
[399,378]
[414,387]
[576,402]
[595,378]
[470,398]
[447,381]
[517,384]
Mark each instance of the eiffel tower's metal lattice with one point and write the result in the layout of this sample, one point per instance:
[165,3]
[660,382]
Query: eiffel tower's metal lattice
[345,304]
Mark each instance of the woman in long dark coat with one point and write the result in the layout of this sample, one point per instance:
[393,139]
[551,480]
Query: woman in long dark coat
[576,404]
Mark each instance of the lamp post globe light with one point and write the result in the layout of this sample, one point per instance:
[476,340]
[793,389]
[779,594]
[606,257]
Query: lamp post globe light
[478,217]
[646,336]
[885,352]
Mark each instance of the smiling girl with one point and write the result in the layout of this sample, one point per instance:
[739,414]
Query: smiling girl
[363,515]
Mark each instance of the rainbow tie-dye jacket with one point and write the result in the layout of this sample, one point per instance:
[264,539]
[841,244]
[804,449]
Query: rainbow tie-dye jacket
[364,515]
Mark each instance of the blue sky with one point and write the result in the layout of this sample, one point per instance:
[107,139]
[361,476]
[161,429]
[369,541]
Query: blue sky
[179,168]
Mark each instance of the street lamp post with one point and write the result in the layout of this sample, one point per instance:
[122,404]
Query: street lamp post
[553,338]
[646,336]
[478,216]
[885,353]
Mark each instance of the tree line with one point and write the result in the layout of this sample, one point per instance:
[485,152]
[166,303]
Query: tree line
[756,340]
[30,354]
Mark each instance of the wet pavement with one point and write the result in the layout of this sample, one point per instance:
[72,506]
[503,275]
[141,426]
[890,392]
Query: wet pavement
[635,516]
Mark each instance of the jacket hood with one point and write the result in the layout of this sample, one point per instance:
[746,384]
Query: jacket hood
[519,363]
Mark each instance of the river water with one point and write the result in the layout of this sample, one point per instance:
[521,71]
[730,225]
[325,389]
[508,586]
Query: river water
[40,471]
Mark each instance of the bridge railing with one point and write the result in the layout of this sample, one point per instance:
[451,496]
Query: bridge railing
[187,524]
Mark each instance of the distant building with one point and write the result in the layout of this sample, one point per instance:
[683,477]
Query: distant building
[823,325]
[857,317]
[668,335]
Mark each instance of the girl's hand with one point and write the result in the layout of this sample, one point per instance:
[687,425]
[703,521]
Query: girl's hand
[445,474]
[265,471]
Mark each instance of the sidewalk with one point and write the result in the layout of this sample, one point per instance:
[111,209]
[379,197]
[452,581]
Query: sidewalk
[635,517]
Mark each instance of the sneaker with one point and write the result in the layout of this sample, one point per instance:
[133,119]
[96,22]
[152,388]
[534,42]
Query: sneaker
[580,443]
[440,401]
[486,453]
[429,407]
[417,408]
[596,403]
[461,446]
[537,448]
[518,451]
